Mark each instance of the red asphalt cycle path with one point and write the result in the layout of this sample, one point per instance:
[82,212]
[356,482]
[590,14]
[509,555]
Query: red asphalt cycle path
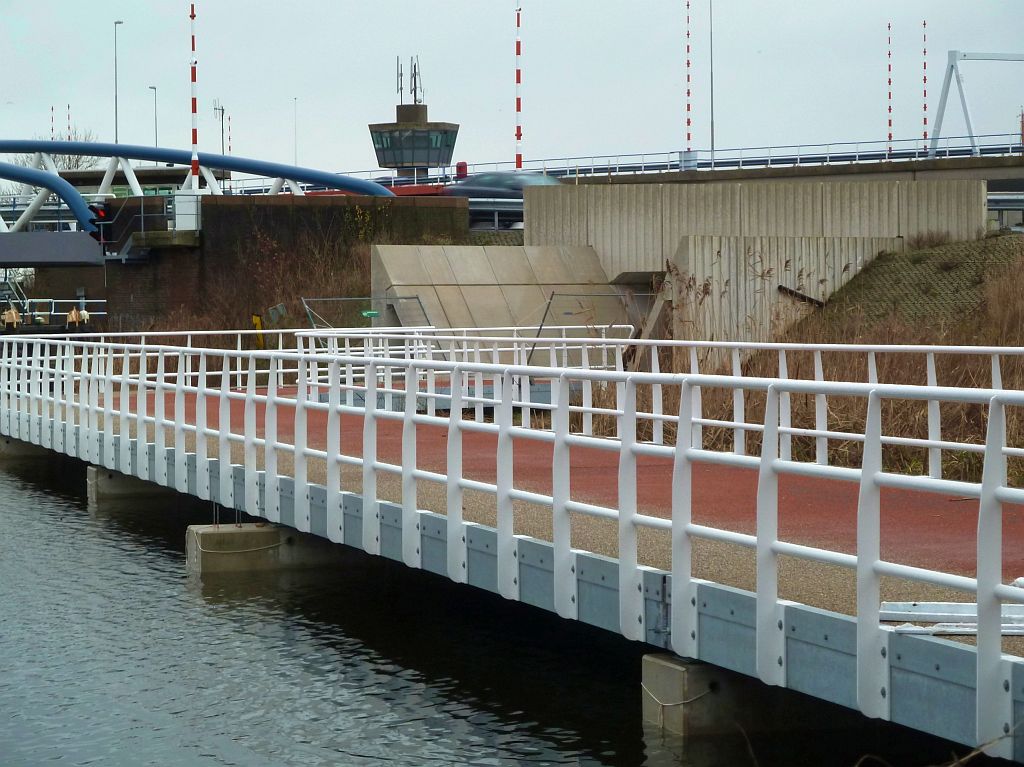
[921,529]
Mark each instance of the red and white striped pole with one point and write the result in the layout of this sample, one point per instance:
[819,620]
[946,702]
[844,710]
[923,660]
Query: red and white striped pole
[69,122]
[689,92]
[890,88]
[229,134]
[519,86]
[53,125]
[924,79]
[195,105]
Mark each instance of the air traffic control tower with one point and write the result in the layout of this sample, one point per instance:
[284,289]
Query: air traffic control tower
[412,144]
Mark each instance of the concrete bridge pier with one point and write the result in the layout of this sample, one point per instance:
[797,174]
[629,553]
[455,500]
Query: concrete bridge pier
[255,547]
[696,700]
[15,448]
[107,483]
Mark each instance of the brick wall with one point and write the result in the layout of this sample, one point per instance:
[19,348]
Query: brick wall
[175,282]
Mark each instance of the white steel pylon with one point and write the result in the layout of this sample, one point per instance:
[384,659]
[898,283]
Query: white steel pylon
[953,73]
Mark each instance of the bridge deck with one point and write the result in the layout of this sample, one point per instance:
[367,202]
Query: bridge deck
[566,533]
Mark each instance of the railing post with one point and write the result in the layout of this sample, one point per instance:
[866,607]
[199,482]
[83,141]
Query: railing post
[684,588]
[82,435]
[371,506]
[508,563]
[631,597]
[60,393]
[739,434]
[123,411]
[872,641]
[994,703]
[180,465]
[478,386]
[410,514]
[588,394]
[657,404]
[335,510]
[456,528]
[140,461]
[94,403]
[785,412]
[238,373]
[620,392]
[47,391]
[350,376]
[271,482]
[301,486]
[7,360]
[252,490]
[820,414]
[770,635]
[226,474]
[159,438]
[698,429]
[34,390]
[108,408]
[564,559]
[934,424]
[202,458]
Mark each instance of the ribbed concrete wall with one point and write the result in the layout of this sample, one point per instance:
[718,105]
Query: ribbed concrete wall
[727,288]
[954,207]
[636,228]
[467,286]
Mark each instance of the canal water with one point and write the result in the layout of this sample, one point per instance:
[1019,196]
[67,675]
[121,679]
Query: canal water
[111,655]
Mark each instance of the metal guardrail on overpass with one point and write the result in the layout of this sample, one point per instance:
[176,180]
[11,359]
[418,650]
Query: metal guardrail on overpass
[783,156]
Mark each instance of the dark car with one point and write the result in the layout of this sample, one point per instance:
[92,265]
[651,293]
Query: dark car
[498,185]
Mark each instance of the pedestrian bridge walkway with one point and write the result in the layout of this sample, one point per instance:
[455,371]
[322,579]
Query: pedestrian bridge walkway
[755,522]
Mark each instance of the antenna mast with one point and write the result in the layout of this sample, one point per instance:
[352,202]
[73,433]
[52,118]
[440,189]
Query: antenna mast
[398,79]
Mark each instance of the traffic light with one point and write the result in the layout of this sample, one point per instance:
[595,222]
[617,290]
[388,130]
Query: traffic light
[101,220]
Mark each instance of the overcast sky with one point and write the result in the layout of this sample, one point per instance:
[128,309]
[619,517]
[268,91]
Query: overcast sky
[599,77]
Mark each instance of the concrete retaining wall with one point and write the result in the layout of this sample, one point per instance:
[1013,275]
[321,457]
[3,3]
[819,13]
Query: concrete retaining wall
[727,288]
[472,286]
[637,228]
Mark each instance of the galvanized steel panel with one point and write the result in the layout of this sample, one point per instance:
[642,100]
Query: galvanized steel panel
[536,573]
[597,591]
[933,686]
[482,557]
[821,654]
[434,543]
[391,530]
[725,627]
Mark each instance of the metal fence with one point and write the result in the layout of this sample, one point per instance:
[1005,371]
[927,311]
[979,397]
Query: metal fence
[85,397]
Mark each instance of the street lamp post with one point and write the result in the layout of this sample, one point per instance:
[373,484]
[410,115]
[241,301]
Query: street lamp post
[156,131]
[711,55]
[116,25]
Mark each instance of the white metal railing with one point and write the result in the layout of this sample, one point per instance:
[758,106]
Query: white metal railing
[600,350]
[170,395]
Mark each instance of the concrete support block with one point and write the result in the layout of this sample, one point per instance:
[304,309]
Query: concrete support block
[697,700]
[15,448]
[672,688]
[106,483]
[255,547]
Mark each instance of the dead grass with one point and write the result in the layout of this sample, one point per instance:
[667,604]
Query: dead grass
[991,315]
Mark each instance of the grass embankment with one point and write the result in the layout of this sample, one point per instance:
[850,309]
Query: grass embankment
[968,293]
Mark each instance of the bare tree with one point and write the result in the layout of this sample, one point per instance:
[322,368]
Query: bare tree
[62,161]
[66,161]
